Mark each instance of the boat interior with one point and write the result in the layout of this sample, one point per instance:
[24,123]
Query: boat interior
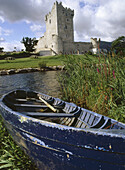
[44,107]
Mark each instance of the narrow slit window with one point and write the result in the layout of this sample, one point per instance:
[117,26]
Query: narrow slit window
[65,26]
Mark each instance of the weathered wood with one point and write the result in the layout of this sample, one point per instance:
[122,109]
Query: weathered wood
[31,105]
[51,107]
[37,114]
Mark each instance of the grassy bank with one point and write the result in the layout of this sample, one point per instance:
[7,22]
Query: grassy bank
[31,62]
[11,156]
[97,85]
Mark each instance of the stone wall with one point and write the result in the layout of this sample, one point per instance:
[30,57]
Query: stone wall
[45,53]
[83,47]
[77,47]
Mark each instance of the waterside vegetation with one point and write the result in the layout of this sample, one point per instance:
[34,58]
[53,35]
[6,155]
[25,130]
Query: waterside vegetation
[98,86]
[96,83]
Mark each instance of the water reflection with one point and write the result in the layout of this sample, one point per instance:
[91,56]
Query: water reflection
[45,82]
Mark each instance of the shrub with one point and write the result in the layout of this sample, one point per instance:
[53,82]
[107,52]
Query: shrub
[42,64]
[34,56]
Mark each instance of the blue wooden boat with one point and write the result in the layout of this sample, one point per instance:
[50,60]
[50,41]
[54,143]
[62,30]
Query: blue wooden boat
[58,135]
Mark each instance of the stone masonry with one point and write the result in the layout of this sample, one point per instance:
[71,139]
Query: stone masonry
[59,35]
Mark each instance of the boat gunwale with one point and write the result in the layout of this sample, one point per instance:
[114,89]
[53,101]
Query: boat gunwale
[107,132]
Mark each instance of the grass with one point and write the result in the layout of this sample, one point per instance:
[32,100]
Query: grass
[11,156]
[31,62]
[98,85]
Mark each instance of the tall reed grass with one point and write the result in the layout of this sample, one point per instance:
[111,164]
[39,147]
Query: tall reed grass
[98,86]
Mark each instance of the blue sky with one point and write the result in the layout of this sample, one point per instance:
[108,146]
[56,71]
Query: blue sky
[17,30]
[103,19]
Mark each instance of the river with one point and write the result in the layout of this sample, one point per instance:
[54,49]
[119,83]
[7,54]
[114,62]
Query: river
[45,82]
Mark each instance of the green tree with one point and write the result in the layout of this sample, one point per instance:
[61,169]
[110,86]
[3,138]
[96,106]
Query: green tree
[1,49]
[29,43]
[119,45]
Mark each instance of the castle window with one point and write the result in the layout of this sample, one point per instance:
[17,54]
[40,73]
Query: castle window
[66,14]
[67,19]
[65,26]
[50,21]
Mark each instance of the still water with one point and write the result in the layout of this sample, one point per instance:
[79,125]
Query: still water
[45,82]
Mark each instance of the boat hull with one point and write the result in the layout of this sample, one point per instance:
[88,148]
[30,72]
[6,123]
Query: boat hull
[54,146]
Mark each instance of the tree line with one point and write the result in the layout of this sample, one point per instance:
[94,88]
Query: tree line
[29,44]
[118,45]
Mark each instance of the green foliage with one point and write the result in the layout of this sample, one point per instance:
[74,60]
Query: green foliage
[29,43]
[119,45]
[89,53]
[21,54]
[42,64]
[96,86]
[1,49]
[11,156]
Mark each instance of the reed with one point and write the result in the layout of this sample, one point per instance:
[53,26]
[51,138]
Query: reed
[96,86]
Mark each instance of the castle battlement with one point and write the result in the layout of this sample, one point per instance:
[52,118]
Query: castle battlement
[61,8]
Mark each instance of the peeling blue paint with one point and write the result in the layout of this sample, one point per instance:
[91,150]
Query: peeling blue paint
[60,146]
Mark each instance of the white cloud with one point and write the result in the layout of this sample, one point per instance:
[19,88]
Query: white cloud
[10,46]
[92,18]
[38,30]
[2,19]
[99,18]
[27,21]
[31,10]
[2,39]
[5,32]
[35,27]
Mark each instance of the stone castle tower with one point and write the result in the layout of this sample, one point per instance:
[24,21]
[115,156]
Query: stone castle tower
[60,22]
[59,35]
